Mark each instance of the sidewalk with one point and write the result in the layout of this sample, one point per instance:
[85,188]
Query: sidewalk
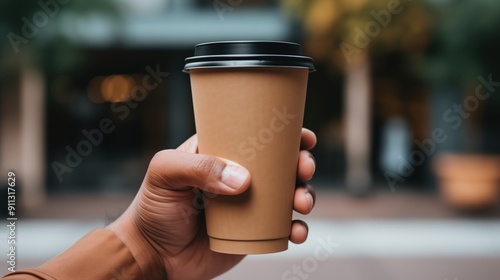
[382,249]
[385,236]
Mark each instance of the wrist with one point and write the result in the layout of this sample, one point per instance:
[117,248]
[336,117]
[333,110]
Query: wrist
[150,262]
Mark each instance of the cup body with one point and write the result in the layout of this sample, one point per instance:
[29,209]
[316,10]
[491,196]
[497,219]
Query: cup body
[252,116]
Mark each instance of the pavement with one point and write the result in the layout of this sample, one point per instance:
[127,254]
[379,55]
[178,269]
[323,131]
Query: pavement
[384,236]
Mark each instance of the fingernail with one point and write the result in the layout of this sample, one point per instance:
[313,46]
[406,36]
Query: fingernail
[311,199]
[306,226]
[234,176]
[312,159]
[310,192]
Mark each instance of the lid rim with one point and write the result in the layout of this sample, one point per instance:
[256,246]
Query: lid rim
[248,54]
[217,64]
[245,56]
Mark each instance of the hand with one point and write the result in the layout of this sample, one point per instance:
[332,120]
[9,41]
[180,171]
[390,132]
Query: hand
[155,230]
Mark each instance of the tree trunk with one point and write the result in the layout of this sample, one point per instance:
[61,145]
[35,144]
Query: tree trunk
[357,117]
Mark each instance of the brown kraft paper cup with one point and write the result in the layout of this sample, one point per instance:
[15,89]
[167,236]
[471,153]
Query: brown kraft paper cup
[252,116]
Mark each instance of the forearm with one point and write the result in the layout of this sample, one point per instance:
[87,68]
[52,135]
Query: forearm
[98,255]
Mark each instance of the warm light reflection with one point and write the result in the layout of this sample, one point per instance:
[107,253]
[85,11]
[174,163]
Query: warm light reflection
[117,88]
[113,88]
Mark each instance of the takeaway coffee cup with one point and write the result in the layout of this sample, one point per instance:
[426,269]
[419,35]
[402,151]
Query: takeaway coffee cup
[249,99]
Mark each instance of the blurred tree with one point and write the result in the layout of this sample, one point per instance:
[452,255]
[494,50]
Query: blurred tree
[27,55]
[21,24]
[465,43]
[340,31]
[463,30]
[348,35]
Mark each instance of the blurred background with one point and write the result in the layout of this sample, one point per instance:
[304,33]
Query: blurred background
[405,103]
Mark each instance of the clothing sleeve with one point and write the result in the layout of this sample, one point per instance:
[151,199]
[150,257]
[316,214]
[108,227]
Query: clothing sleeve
[98,255]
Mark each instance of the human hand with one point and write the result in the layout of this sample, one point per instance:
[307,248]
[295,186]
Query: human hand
[155,230]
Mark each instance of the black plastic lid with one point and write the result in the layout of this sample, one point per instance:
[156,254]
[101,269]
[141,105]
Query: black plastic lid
[248,54]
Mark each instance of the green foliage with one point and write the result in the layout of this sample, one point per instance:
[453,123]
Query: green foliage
[463,35]
[55,51]
[12,11]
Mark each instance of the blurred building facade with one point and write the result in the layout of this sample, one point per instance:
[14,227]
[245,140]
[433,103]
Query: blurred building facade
[91,118]
[99,88]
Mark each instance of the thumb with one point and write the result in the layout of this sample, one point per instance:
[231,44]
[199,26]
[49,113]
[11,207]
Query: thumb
[178,170]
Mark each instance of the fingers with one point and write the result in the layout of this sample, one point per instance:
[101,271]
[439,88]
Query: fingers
[174,169]
[304,199]
[306,166]
[305,196]
[307,140]
[299,232]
